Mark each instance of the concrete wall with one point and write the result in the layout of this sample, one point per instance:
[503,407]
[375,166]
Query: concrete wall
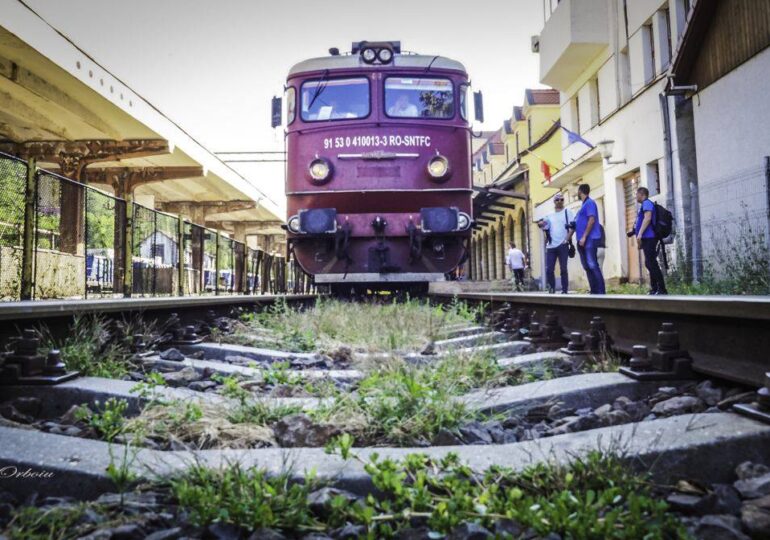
[731,163]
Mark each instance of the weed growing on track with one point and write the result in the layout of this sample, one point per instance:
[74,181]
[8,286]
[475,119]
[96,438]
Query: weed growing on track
[408,405]
[246,497]
[92,350]
[107,423]
[389,327]
[595,497]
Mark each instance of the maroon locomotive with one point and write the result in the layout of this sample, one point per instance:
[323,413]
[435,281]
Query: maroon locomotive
[378,179]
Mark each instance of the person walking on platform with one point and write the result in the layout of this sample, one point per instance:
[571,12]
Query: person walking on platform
[647,241]
[558,235]
[517,261]
[589,233]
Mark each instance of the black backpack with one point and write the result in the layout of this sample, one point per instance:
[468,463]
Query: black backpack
[664,222]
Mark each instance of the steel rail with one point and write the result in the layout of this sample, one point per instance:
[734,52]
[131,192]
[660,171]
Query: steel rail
[43,309]
[727,336]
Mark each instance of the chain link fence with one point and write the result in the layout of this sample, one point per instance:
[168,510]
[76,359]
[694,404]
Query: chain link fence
[13,177]
[104,240]
[735,225]
[62,239]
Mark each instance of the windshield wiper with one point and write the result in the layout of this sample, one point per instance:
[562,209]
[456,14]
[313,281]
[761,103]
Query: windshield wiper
[319,89]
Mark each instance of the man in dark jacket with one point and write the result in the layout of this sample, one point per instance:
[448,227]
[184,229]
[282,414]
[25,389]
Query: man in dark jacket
[647,241]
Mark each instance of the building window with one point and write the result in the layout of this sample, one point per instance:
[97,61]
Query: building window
[158,250]
[649,53]
[593,94]
[625,76]
[666,27]
[529,131]
[576,114]
[653,178]
[517,145]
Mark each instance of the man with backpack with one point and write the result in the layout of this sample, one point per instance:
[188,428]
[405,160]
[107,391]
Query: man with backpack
[649,231]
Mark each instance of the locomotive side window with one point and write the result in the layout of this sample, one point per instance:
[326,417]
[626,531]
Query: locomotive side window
[335,99]
[464,101]
[291,105]
[416,97]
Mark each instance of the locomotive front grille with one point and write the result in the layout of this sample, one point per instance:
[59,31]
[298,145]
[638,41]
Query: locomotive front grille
[374,171]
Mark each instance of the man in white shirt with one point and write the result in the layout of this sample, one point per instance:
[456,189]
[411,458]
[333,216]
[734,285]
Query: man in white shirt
[516,262]
[558,228]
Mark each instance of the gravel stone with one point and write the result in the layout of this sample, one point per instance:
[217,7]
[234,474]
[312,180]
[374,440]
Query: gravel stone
[201,386]
[299,430]
[172,354]
[678,405]
[349,531]
[315,361]
[70,417]
[166,534]
[754,488]
[747,470]
[321,498]
[421,533]
[266,534]
[719,527]
[710,394]
[755,516]
[469,531]
[27,405]
[690,504]
[10,412]
[446,437]
[224,531]
[475,433]
[181,378]
[508,528]
[559,411]
[726,499]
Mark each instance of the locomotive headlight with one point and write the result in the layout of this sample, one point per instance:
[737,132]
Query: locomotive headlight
[438,167]
[385,55]
[463,221]
[369,55]
[293,224]
[320,170]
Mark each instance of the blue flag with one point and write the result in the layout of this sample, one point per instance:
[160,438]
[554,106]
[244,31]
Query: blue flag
[573,137]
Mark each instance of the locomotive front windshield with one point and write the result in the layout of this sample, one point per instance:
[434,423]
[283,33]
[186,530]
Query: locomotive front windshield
[335,99]
[411,97]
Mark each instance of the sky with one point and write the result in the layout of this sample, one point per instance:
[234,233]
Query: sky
[212,66]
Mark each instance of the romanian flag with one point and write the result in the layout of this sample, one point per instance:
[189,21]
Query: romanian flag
[546,170]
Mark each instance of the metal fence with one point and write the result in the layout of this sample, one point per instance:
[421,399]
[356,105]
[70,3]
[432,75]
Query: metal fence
[63,239]
[735,218]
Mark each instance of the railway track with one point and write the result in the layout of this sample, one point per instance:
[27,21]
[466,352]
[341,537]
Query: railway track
[511,392]
[726,337]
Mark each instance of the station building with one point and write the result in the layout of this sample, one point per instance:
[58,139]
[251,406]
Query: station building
[609,60]
[510,183]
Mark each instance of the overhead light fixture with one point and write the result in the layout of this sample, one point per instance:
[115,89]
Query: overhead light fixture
[606,147]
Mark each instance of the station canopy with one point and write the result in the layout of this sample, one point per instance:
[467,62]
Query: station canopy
[52,91]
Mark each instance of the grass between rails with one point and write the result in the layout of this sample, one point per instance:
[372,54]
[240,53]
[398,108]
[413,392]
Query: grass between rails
[90,348]
[395,403]
[390,327]
[594,497]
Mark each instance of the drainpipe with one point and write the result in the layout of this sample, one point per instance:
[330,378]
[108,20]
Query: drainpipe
[690,200]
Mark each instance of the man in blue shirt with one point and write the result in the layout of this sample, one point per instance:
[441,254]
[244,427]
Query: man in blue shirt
[589,234]
[647,241]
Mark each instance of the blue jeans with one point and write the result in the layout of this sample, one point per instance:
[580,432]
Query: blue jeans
[562,254]
[591,265]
